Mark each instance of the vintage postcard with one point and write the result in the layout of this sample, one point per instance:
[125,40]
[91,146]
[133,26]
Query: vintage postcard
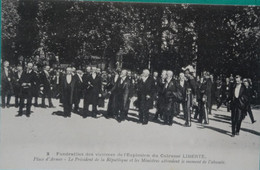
[120,85]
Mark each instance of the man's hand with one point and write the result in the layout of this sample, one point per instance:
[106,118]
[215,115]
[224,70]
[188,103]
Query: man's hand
[99,95]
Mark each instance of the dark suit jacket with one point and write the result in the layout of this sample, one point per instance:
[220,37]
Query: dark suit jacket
[78,87]
[122,92]
[170,94]
[16,83]
[5,83]
[45,81]
[181,90]
[144,89]
[67,95]
[30,79]
[239,105]
[93,89]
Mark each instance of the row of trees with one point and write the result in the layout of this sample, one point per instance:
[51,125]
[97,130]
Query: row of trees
[219,39]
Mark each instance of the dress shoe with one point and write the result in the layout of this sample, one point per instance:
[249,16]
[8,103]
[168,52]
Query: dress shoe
[237,133]
[27,115]
[232,135]
[18,115]
[253,121]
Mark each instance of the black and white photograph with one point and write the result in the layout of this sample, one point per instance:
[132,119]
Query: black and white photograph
[120,85]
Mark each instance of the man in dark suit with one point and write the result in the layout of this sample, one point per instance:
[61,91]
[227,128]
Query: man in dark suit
[122,97]
[144,96]
[239,100]
[36,89]
[171,95]
[46,85]
[202,101]
[225,90]
[160,99]
[78,89]
[6,83]
[182,88]
[17,87]
[112,89]
[190,96]
[249,93]
[68,87]
[155,87]
[27,83]
[93,85]
[56,82]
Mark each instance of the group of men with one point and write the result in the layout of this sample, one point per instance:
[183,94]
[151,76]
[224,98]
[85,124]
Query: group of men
[166,93]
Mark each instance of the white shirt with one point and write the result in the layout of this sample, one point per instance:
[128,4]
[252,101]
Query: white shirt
[167,82]
[6,72]
[116,77]
[94,76]
[80,78]
[237,90]
[20,74]
[46,73]
[182,83]
[122,80]
[57,81]
[69,78]
[144,79]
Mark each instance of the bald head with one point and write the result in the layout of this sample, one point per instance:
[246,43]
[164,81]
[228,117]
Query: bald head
[182,76]
[169,74]
[29,66]
[146,73]
[123,73]
[164,74]
[6,63]
[68,70]
[88,69]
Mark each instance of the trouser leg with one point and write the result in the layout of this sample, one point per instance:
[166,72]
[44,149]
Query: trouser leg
[21,106]
[250,114]
[3,94]
[28,105]
[16,101]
